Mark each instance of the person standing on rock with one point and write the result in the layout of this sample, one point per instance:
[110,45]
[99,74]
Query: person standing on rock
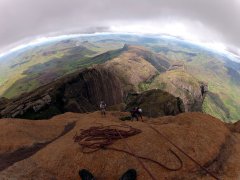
[103,107]
[139,112]
[134,113]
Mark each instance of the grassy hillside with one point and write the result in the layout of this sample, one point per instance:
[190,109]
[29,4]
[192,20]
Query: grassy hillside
[222,81]
[41,74]
[25,71]
[214,105]
[43,64]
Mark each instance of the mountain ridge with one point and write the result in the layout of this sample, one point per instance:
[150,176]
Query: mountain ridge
[122,73]
[214,69]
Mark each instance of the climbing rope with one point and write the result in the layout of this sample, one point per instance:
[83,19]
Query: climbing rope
[167,139]
[140,162]
[101,137]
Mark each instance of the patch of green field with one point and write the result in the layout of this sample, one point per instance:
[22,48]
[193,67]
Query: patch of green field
[211,108]
[21,87]
[43,73]
[208,69]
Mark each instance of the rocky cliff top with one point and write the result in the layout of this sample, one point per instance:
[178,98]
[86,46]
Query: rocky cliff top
[206,139]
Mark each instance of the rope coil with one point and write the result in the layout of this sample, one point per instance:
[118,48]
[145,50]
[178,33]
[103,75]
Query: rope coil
[101,137]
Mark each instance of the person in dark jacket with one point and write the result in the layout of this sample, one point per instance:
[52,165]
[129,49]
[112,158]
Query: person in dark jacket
[139,112]
[134,113]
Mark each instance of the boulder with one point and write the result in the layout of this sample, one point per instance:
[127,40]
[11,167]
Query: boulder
[155,103]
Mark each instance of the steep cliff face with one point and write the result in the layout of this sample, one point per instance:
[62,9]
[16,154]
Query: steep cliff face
[92,86]
[78,92]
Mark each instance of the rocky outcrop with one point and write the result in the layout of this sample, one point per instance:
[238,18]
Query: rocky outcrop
[158,61]
[139,70]
[3,102]
[131,67]
[156,103]
[175,66]
[78,92]
[91,87]
[19,108]
[181,84]
[234,127]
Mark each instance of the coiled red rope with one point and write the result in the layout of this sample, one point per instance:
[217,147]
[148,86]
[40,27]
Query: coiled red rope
[101,137]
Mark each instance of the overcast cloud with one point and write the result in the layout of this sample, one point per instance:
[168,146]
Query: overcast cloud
[204,20]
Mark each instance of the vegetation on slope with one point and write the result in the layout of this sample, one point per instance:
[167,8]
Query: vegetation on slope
[221,74]
[27,77]
[181,84]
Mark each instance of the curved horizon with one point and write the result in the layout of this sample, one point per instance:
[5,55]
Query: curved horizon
[218,47]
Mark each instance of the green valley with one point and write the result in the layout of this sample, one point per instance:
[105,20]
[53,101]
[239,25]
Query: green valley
[27,70]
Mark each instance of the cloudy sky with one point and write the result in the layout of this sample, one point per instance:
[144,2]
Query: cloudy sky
[213,22]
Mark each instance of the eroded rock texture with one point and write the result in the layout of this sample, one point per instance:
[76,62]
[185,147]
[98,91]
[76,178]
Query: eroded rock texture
[78,92]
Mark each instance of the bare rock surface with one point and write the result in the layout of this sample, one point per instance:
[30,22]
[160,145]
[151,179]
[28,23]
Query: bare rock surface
[206,139]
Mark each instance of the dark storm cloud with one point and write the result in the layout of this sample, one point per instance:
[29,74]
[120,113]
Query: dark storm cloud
[21,19]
